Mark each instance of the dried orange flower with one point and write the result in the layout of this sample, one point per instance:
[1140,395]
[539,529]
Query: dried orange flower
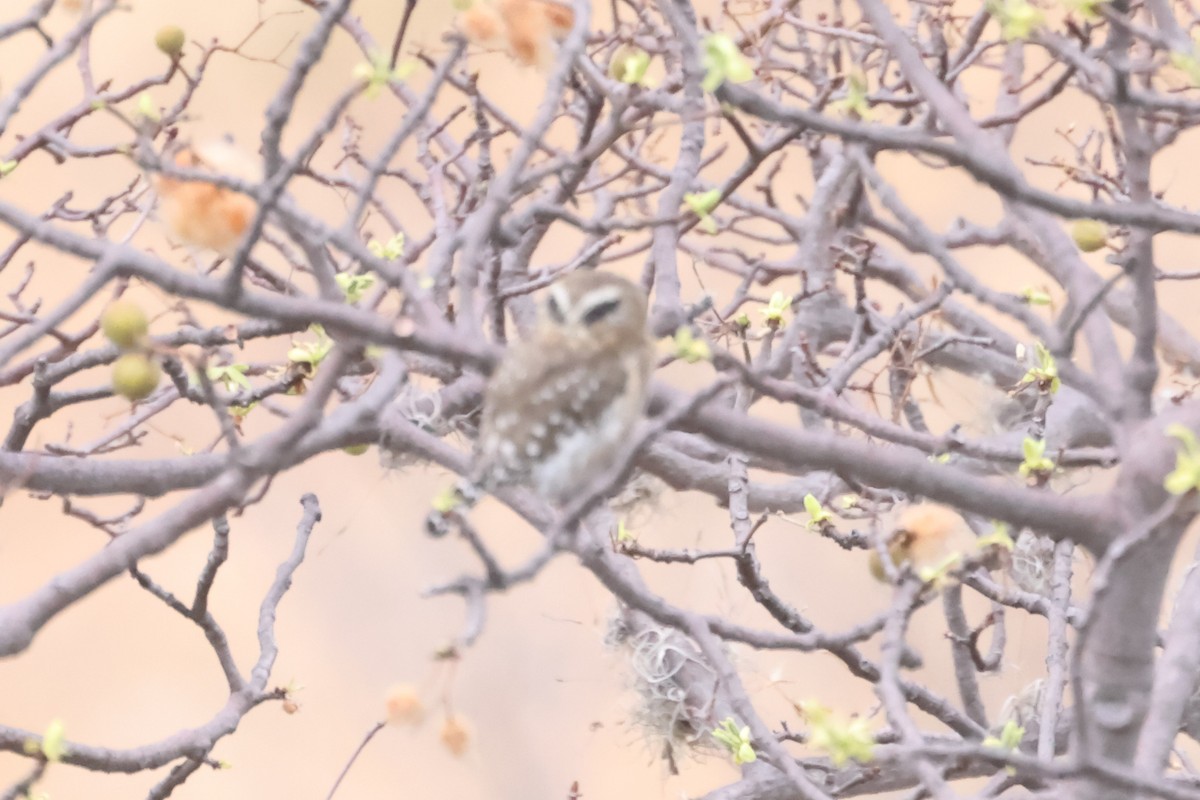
[929,527]
[528,31]
[454,735]
[404,705]
[560,16]
[204,214]
[481,24]
[529,28]
[923,536]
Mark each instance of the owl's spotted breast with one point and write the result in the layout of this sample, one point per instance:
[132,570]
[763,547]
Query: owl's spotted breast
[546,405]
[561,404]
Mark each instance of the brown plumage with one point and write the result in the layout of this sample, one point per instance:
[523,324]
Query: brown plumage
[562,404]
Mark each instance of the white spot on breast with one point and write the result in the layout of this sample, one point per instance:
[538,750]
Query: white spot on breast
[508,450]
[582,454]
[538,430]
[533,449]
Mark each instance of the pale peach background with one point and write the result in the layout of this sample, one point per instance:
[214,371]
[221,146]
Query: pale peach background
[544,699]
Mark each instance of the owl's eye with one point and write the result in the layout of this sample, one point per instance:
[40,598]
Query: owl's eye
[556,312]
[600,311]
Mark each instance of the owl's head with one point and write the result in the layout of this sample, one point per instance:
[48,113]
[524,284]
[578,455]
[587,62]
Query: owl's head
[597,305]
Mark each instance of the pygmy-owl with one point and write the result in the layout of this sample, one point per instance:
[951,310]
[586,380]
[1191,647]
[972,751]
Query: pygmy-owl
[562,404]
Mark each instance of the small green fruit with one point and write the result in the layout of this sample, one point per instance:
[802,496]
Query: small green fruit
[628,64]
[135,376]
[356,449]
[169,40]
[124,324]
[1089,234]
